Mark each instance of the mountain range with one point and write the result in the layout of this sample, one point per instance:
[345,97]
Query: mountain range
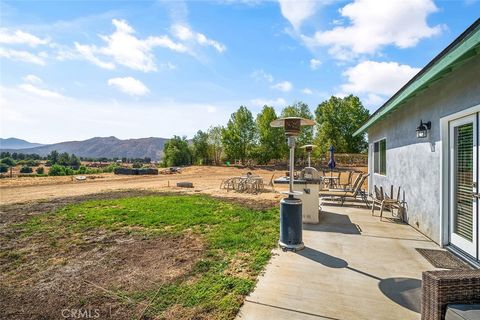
[98,147]
[14,143]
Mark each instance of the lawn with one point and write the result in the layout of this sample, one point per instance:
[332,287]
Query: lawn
[152,256]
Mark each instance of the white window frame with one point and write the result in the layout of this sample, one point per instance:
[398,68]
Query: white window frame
[379,161]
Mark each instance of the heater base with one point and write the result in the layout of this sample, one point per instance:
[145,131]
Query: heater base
[291,247]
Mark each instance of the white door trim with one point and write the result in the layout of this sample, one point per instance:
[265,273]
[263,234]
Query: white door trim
[444,170]
[470,247]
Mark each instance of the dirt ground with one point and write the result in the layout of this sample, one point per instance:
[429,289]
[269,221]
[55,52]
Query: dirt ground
[205,180]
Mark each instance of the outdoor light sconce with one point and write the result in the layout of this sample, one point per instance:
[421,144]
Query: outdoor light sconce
[422,129]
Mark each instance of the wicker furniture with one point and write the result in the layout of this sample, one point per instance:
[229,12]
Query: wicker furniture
[440,288]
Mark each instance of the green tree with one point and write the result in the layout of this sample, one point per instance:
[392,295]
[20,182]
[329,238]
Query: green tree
[8,162]
[177,152]
[271,141]
[3,168]
[53,157]
[200,147]
[40,170]
[64,159]
[299,109]
[215,144]
[74,162]
[238,137]
[26,169]
[337,120]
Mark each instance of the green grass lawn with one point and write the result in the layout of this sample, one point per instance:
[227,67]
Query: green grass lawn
[237,243]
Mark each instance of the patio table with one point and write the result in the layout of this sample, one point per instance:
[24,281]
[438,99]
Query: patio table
[332,182]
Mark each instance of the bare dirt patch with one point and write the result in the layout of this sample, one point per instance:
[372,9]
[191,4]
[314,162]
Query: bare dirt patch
[94,276]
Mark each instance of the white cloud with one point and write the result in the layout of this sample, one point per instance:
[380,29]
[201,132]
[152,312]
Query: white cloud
[8,36]
[87,52]
[111,117]
[185,33]
[297,11]
[314,64]
[19,55]
[260,102]
[284,86]
[211,109]
[31,78]
[44,93]
[383,78]
[259,75]
[307,91]
[375,24]
[126,49]
[129,85]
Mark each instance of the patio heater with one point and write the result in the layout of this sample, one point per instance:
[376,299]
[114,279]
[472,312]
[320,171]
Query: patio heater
[291,207]
[309,149]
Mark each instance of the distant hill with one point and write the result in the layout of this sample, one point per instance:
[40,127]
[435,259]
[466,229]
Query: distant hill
[14,143]
[98,147]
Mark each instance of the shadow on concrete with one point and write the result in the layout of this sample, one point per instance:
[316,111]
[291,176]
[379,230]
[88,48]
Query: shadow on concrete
[334,222]
[404,291]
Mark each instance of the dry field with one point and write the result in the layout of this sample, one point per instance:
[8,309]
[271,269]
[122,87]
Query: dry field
[205,179]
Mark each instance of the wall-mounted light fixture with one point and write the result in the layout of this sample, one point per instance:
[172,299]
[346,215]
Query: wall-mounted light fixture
[422,129]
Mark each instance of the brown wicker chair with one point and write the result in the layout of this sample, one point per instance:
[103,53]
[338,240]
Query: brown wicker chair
[443,287]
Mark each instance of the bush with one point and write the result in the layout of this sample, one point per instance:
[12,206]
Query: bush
[26,169]
[137,165]
[56,170]
[40,170]
[3,168]
[82,170]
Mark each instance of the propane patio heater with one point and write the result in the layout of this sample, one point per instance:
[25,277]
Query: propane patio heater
[291,207]
[309,149]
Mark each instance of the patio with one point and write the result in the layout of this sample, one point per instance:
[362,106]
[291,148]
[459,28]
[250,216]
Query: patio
[353,267]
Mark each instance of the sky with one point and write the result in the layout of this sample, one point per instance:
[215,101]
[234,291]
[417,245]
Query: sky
[72,70]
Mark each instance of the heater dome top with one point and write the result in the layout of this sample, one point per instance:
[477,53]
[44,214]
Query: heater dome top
[291,125]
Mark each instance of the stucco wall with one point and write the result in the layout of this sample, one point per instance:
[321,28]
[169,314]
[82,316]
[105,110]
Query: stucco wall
[414,164]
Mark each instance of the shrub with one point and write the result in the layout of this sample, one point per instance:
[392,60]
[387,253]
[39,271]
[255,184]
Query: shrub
[3,168]
[137,165]
[26,169]
[56,170]
[82,170]
[40,170]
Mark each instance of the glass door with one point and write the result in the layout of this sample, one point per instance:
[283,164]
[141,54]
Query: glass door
[464,184]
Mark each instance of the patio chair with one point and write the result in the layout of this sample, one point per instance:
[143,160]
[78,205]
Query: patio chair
[348,184]
[443,287]
[384,201]
[343,194]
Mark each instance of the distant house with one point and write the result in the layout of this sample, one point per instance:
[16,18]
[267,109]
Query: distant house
[425,138]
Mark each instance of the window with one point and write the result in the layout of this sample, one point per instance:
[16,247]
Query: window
[380,157]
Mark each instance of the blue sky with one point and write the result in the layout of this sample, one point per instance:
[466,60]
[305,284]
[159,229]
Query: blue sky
[72,70]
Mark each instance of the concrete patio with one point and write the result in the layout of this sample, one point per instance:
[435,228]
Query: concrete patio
[353,267]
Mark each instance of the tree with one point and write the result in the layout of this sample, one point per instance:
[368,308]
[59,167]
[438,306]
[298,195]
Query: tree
[215,144]
[74,162]
[200,147]
[64,159]
[239,136]
[40,170]
[8,162]
[300,109]
[3,168]
[53,157]
[337,120]
[271,141]
[177,152]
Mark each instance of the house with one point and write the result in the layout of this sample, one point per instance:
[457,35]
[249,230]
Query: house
[425,138]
